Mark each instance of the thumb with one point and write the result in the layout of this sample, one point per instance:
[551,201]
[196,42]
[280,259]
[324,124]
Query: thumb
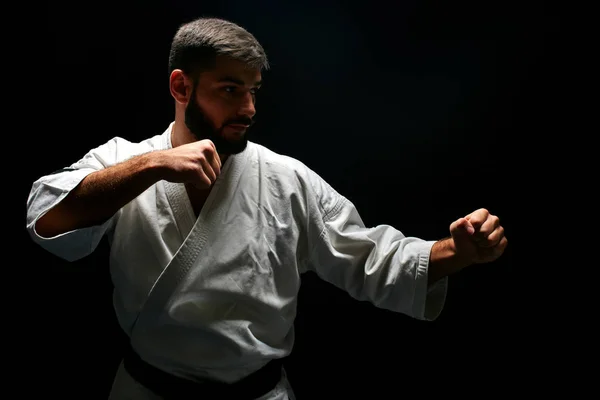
[461,227]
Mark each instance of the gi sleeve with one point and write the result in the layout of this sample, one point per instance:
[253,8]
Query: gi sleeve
[47,191]
[376,264]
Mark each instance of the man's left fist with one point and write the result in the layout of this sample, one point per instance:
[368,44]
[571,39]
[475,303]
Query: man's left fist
[478,237]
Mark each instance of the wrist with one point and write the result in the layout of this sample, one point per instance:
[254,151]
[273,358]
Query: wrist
[444,260]
[153,165]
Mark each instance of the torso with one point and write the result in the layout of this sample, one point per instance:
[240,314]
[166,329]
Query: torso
[197,197]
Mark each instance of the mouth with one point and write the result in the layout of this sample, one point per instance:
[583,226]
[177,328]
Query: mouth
[237,127]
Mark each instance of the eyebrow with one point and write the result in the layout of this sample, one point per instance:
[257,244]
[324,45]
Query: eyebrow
[237,81]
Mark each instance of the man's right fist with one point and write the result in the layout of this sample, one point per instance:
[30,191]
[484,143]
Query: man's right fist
[197,163]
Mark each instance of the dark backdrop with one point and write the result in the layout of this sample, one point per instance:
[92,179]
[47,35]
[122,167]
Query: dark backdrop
[414,111]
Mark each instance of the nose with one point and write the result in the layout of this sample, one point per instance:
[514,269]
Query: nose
[247,108]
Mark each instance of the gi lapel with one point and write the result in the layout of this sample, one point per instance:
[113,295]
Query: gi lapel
[194,243]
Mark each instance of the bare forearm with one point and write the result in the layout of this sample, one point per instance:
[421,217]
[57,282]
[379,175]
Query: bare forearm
[100,195]
[443,260]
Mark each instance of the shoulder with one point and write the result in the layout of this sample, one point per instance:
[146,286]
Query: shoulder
[284,165]
[129,147]
[289,170]
[118,149]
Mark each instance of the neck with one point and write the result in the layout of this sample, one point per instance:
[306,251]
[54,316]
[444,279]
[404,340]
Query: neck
[180,135]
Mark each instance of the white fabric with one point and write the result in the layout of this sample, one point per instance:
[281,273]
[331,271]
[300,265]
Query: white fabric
[216,296]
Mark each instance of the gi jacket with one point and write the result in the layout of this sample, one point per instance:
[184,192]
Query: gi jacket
[215,296]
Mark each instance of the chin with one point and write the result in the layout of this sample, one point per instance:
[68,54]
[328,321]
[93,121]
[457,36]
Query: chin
[235,137]
[236,140]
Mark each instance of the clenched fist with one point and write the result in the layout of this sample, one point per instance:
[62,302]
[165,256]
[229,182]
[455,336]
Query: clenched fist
[196,163]
[478,237]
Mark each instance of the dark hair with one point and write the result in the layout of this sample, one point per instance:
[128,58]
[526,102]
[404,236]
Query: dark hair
[197,43]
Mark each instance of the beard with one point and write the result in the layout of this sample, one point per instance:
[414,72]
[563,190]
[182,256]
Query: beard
[201,127]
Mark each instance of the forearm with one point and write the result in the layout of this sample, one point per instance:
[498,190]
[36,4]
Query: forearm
[100,195]
[443,260]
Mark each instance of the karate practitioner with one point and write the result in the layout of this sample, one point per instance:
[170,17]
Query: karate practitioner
[209,234]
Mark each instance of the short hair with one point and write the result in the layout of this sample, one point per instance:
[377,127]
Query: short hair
[197,43]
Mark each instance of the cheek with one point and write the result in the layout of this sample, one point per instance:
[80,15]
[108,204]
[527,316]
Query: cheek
[216,111]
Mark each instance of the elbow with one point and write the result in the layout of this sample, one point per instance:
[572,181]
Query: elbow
[68,246]
[45,227]
[53,222]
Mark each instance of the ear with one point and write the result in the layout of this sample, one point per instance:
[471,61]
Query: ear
[180,86]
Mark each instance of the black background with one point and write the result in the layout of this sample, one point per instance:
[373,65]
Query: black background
[415,111]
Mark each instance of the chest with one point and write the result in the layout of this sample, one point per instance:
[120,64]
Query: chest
[197,198]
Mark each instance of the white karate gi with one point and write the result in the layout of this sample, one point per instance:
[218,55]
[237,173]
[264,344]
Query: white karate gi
[216,296]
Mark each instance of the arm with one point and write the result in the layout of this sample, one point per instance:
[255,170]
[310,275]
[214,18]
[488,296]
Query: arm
[103,192]
[443,260]
[64,230]
[379,264]
[100,195]
[69,211]
[475,239]
[376,264]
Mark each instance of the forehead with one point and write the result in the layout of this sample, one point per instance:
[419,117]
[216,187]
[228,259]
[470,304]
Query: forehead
[227,68]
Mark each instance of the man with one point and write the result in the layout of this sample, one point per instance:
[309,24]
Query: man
[210,233]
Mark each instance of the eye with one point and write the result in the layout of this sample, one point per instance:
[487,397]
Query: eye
[230,89]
